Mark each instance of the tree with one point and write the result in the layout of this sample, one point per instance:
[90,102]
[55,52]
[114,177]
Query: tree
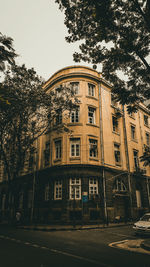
[7,57]
[117,34]
[31,113]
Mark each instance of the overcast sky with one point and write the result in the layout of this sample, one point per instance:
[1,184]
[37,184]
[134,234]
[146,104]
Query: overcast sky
[38,30]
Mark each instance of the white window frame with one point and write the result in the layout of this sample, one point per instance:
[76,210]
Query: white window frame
[74,116]
[91,89]
[75,87]
[93,148]
[75,147]
[93,186]
[75,189]
[47,192]
[117,153]
[58,149]
[91,115]
[58,189]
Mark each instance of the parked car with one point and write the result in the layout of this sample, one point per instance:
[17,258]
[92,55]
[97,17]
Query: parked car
[143,225]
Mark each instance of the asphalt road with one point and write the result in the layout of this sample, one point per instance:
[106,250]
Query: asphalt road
[90,248]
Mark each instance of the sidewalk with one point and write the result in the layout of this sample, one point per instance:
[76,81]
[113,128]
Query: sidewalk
[71,227]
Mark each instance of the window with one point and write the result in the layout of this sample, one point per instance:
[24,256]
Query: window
[117,153]
[147,139]
[136,160]
[47,192]
[138,199]
[75,147]
[74,116]
[113,101]
[47,154]
[133,133]
[146,120]
[58,189]
[75,188]
[91,89]
[93,148]
[58,118]
[115,124]
[91,115]
[58,149]
[93,186]
[75,87]
[119,186]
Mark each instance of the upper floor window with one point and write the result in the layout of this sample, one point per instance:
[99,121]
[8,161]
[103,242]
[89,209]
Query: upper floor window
[58,118]
[75,147]
[146,120]
[115,124]
[91,89]
[113,101]
[136,159]
[47,192]
[75,87]
[75,188]
[58,189]
[58,149]
[47,154]
[91,115]
[117,153]
[93,148]
[133,132]
[93,186]
[74,116]
[147,139]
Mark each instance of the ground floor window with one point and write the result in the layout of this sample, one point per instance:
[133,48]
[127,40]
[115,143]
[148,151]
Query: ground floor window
[75,188]
[93,186]
[47,192]
[58,189]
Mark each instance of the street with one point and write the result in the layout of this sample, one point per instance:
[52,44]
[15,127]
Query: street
[24,248]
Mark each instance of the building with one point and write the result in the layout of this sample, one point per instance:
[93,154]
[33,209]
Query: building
[91,173]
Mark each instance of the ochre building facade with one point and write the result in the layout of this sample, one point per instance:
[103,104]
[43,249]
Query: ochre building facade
[91,173]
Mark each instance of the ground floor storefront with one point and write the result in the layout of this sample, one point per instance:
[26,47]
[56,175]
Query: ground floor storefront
[75,194]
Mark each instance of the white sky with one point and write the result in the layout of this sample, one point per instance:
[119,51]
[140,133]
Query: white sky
[38,30]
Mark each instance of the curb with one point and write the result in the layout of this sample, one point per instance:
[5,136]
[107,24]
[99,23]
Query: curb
[145,246]
[47,229]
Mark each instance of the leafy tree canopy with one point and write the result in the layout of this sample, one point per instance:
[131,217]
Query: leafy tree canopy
[31,113]
[115,33]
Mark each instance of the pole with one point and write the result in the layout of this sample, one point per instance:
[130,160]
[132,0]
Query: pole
[127,161]
[34,182]
[102,154]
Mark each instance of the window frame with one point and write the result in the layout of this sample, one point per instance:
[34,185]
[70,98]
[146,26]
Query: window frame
[58,187]
[133,133]
[91,89]
[136,159]
[74,150]
[94,153]
[58,149]
[73,193]
[146,119]
[92,119]
[147,136]
[93,186]
[115,124]
[74,88]
[116,145]
[75,116]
